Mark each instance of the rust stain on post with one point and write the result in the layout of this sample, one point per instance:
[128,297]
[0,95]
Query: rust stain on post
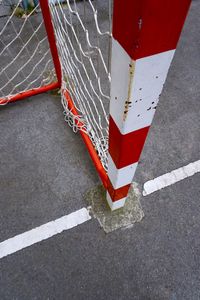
[128,102]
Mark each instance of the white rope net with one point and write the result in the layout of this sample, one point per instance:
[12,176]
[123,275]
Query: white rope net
[82,29]
[25,59]
[83,37]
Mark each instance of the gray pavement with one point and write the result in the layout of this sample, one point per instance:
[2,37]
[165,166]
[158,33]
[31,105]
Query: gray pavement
[45,172]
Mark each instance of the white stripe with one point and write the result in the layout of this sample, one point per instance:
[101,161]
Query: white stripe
[120,177]
[146,84]
[171,178]
[43,232]
[116,204]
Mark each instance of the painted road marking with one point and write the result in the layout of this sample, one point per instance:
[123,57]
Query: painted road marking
[167,179]
[43,232]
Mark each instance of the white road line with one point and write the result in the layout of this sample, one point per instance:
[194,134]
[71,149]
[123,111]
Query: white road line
[43,232]
[167,179]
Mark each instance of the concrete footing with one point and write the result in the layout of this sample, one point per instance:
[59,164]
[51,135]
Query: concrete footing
[111,220]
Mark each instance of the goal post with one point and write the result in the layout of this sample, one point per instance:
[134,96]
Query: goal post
[51,39]
[110,66]
[145,36]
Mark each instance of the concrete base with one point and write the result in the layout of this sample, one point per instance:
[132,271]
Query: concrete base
[112,220]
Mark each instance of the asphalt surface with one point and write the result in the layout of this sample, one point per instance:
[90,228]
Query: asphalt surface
[45,172]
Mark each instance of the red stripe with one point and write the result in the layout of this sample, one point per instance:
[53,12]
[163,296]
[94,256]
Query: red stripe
[161,24]
[118,193]
[125,149]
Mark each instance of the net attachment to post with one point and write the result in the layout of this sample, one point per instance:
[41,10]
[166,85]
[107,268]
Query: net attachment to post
[84,50]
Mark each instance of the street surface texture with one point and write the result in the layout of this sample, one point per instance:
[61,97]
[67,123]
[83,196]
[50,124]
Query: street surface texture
[45,173]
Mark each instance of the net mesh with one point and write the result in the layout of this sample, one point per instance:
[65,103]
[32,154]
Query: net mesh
[25,59]
[83,37]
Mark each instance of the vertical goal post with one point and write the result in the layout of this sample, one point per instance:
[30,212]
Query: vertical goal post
[113,124]
[145,36]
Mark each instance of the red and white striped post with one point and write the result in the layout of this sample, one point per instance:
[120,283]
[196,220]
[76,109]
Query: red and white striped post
[145,36]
